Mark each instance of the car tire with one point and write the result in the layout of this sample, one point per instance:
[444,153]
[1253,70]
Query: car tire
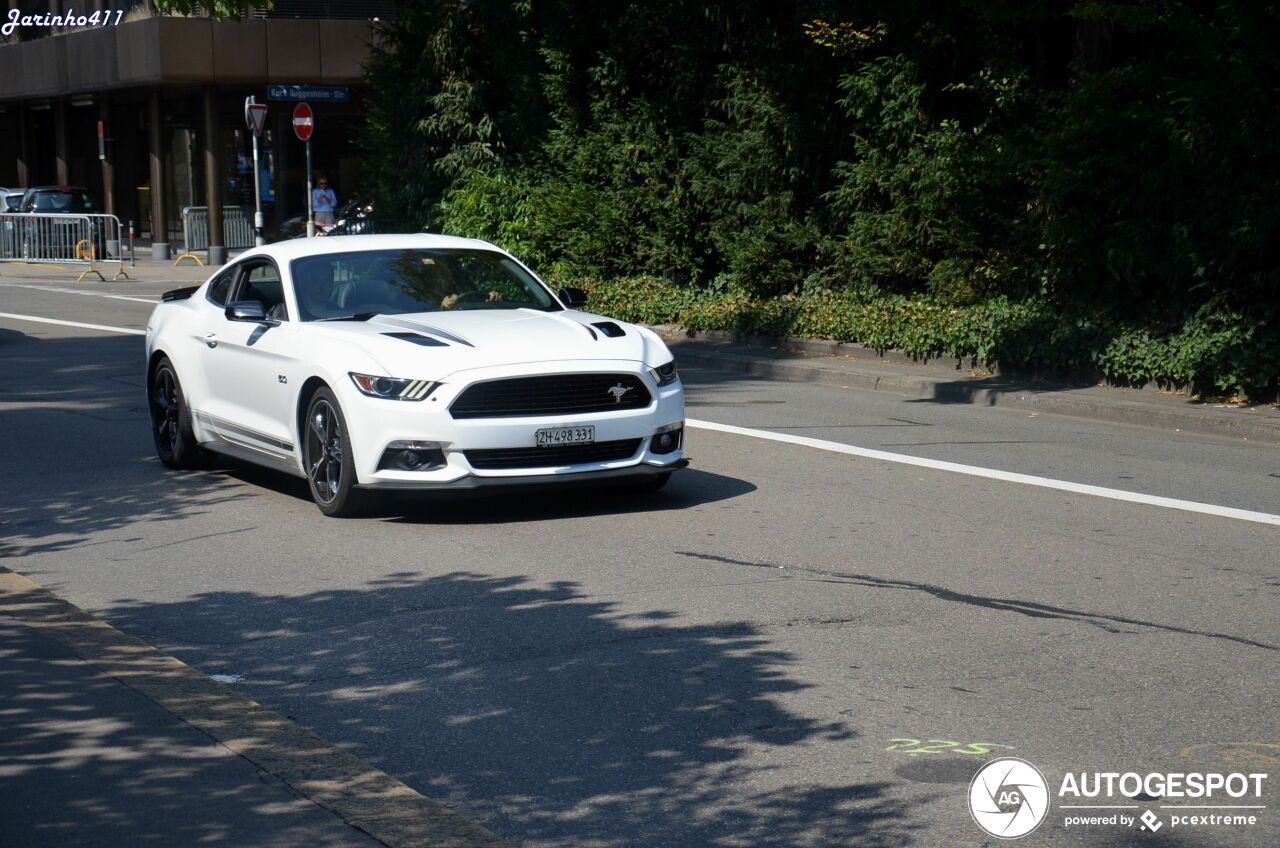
[327,459]
[171,419]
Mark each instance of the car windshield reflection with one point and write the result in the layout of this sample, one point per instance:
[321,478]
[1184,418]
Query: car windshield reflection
[393,282]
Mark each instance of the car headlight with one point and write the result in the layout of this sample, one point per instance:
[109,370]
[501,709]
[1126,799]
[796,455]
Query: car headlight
[665,374]
[393,388]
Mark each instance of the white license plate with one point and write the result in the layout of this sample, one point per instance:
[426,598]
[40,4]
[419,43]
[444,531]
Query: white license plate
[553,436]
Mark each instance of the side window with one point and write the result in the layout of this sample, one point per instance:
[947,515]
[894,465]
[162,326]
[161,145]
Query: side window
[220,288]
[261,282]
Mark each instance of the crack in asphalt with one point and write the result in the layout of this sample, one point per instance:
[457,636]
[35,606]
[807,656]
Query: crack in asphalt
[197,538]
[1030,609]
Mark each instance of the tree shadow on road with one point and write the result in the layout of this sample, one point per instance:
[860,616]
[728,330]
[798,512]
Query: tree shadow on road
[553,717]
[79,460]
[87,761]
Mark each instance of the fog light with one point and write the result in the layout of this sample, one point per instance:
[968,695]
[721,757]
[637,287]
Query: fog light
[412,456]
[667,439]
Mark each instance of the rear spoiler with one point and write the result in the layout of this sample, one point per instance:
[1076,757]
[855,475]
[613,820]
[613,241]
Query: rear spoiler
[178,294]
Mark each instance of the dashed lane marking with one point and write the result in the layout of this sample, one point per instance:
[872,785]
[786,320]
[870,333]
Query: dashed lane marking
[104,327]
[152,301]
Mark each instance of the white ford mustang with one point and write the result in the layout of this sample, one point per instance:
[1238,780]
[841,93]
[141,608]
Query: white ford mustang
[407,362]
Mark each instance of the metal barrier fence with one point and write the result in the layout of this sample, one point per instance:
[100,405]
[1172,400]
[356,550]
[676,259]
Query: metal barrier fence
[87,240]
[237,230]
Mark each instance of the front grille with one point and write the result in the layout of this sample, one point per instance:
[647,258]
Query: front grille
[549,457]
[552,394]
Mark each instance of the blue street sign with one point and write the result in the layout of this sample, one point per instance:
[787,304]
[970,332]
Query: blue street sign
[314,93]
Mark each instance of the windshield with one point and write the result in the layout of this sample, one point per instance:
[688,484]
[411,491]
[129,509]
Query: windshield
[68,202]
[393,282]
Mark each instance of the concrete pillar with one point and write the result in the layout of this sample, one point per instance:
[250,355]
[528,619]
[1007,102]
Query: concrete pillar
[24,151]
[60,141]
[213,176]
[108,170]
[159,219]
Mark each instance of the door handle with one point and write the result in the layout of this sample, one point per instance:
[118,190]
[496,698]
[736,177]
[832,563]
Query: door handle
[211,340]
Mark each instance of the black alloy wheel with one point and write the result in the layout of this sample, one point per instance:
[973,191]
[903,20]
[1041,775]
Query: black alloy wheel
[327,459]
[171,419]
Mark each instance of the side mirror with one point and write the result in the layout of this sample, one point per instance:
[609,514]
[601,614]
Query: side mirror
[573,298]
[247,310]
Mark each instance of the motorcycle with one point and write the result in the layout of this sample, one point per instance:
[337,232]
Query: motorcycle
[355,218]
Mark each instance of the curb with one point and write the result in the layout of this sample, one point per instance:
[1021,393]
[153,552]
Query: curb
[1246,424]
[359,794]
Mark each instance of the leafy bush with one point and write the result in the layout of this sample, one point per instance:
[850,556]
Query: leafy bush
[1074,184]
[1216,350]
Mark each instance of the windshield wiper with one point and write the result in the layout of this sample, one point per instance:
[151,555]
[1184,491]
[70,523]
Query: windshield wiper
[359,316]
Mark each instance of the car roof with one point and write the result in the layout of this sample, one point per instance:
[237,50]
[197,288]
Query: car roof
[58,188]
[297,248]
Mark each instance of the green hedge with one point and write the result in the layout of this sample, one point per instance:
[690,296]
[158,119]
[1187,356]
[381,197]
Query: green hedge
[1215,350]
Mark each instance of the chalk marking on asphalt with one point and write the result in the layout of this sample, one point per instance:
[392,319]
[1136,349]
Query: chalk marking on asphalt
[993,474]
[148,300]
[61,323]
[364,797]
[916,747]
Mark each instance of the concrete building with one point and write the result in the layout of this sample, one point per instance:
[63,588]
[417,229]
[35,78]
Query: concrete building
[169,93]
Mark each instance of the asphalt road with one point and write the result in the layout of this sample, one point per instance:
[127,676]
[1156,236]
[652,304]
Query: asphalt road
[787,646]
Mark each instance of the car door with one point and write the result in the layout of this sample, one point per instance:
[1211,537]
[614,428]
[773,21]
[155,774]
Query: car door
[206,404]
[252,367]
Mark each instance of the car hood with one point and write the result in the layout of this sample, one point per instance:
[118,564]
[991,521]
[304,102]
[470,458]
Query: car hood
[436,344]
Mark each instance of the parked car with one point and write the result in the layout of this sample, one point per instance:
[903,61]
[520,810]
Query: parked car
[10,243]
[420,362]
[66,238]
[53,200]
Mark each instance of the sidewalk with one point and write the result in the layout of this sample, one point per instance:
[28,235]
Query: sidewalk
[85,760]
[106,742]
[147,270]
[852,366]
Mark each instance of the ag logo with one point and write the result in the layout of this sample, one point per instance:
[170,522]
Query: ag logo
[1008,798]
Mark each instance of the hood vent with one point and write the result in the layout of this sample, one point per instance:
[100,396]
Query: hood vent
[415,338]
[414,326]
[610,329]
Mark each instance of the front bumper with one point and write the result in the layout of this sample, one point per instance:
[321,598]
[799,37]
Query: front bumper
[643,471]
[376,423]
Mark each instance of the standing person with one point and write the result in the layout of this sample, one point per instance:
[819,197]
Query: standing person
[323,202]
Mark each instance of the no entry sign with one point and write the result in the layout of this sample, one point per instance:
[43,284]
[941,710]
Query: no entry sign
[303,121]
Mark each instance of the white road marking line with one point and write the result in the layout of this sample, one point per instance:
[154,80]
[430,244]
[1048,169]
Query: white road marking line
[993,474]
[151,301]
[40,320]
